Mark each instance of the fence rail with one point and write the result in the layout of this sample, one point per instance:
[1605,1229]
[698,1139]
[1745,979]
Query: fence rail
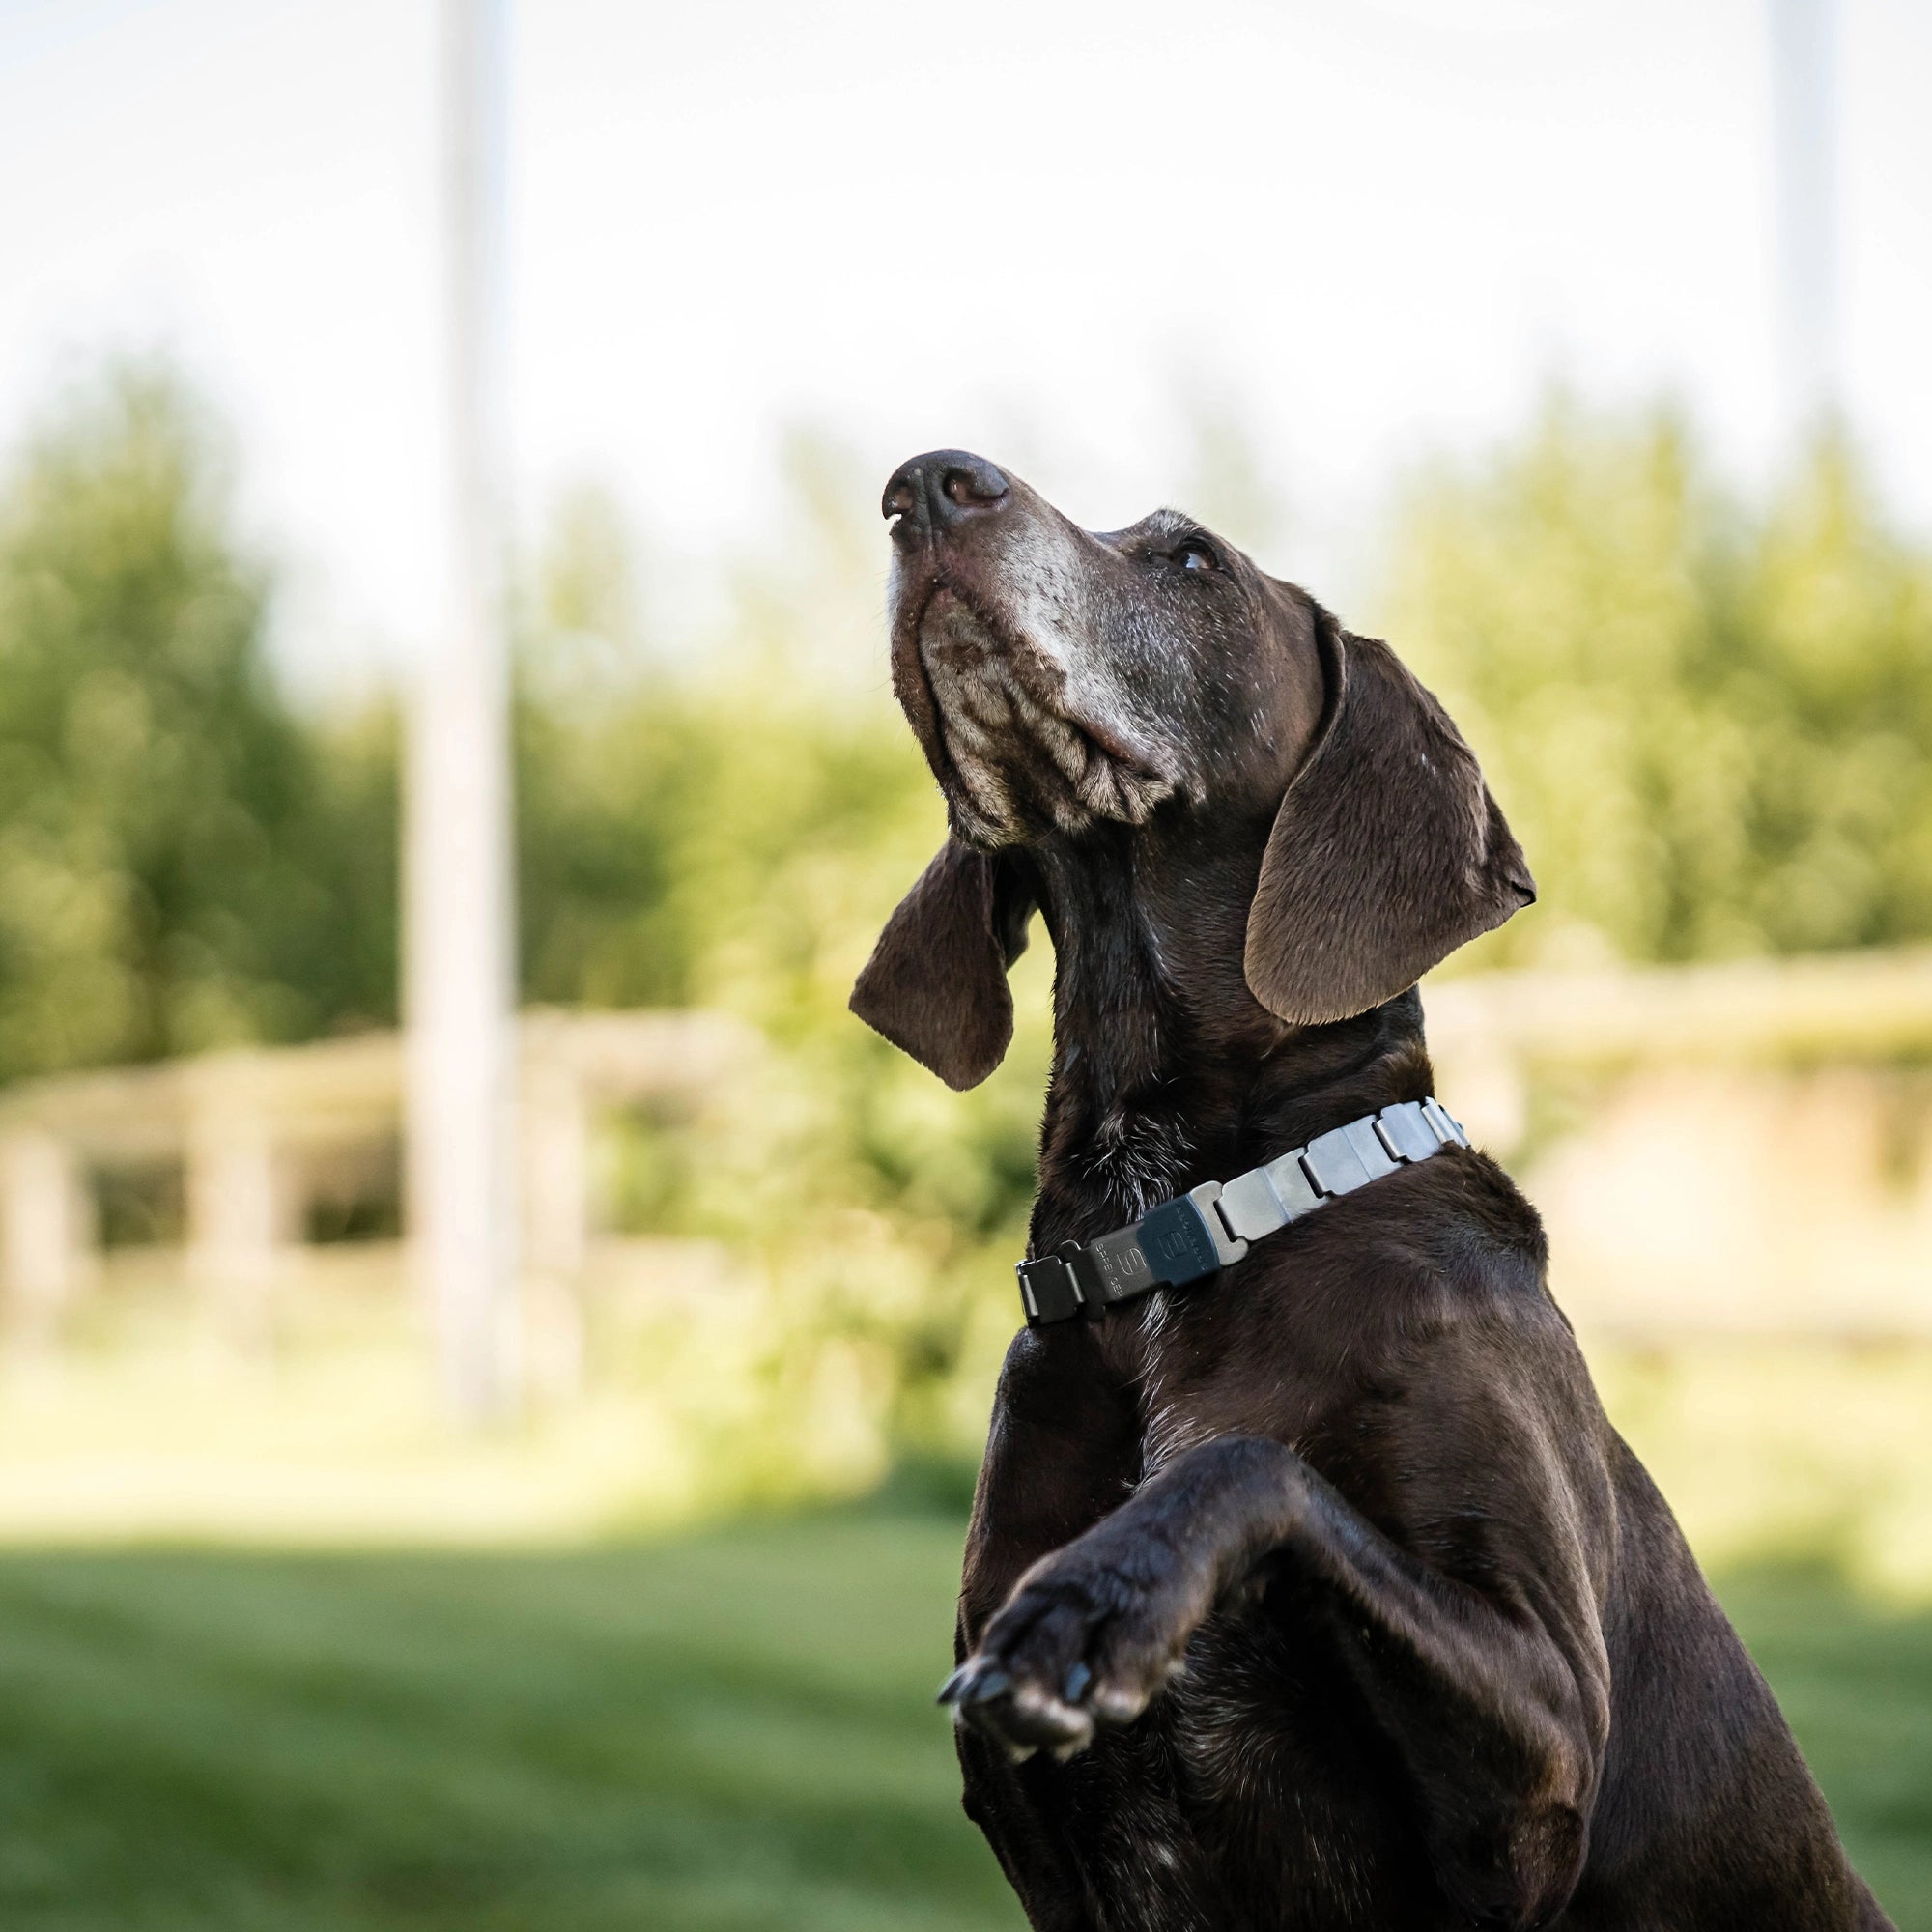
[255,1138]
[1736,1149]
[1714,1149]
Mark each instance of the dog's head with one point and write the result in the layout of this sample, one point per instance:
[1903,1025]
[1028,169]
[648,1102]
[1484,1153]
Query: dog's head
[1061,681]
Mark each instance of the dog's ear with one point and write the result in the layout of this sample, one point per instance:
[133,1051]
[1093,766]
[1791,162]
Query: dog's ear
[1387,853]
[936,982]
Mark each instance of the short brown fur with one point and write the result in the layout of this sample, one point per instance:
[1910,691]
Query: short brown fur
[1320,1593]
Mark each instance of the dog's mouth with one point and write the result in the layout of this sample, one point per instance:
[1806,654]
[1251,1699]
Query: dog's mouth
[1012,745]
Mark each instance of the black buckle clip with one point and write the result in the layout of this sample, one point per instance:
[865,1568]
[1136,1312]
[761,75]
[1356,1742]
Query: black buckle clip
[1049,1290]
[1180,1244]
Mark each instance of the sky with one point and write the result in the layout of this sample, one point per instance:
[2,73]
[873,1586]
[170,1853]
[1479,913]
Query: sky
[1374,229]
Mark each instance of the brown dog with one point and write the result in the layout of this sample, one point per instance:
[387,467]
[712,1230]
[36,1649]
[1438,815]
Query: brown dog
[1319,1592]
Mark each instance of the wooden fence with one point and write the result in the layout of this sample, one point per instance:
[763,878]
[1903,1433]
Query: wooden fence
[1716,1149]
[1738,1149]
[236,1161]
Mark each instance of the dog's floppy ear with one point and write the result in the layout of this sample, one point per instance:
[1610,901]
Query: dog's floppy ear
[1387,853]
[936,982]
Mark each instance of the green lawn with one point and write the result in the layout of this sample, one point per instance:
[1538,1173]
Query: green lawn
[728,1732]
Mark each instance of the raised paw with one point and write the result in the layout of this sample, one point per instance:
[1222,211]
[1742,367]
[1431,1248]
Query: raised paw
[1083,1640]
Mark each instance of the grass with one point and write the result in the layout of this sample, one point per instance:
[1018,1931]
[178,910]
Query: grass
[726,1732]
[735,1731]
[1855,1679]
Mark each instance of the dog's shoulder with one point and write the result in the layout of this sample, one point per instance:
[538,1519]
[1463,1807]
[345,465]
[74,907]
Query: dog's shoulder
[1428,1282]
[1458,1272]
[1462,1372]
[1428,1249]
[1466,1221]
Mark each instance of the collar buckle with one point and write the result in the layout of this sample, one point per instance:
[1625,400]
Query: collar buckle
[1049,1290]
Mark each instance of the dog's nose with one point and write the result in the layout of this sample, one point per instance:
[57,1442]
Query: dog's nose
[934,494]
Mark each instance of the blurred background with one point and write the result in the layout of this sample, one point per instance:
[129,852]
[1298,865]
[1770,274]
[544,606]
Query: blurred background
[510,1470]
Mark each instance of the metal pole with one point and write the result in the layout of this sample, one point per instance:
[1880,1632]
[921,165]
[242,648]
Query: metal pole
[460,973]
[1804,47]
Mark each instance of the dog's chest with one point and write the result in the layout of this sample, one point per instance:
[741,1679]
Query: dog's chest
[1210,1361]
[1252,1797]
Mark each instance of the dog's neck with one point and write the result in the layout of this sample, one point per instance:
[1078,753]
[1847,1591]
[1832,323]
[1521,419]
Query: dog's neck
[1167,1071]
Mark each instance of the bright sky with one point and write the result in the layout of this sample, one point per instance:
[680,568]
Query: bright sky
[1016,225]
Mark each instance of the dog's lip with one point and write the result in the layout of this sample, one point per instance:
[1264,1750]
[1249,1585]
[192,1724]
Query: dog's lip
[1112,746]
[930,730]
[1107,742]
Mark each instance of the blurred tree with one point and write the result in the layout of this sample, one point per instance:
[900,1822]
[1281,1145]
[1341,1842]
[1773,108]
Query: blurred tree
[730,825]
[1712,732]
[179,866]
[1228,484]
[589,608]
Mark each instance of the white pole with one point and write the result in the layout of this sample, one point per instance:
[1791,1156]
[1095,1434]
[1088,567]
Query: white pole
[460,973]
[1804,47]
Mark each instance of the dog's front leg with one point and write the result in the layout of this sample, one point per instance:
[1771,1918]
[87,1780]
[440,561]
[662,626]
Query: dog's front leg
[1499,1712]
[1092,1631]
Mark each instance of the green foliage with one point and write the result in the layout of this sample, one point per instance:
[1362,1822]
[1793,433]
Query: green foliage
[181,863]
[1712,730]
[736,838]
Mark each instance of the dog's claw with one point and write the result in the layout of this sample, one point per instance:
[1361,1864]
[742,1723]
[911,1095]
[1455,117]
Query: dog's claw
[972,1683]
[984,1686]
[1021,1717]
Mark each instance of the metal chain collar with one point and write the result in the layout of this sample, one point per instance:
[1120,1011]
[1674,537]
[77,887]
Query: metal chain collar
[1210,1227]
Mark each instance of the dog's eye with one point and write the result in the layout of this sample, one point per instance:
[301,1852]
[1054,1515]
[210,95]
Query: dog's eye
[1195,555]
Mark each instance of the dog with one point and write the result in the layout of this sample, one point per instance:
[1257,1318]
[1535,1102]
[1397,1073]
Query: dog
[1317,1592]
